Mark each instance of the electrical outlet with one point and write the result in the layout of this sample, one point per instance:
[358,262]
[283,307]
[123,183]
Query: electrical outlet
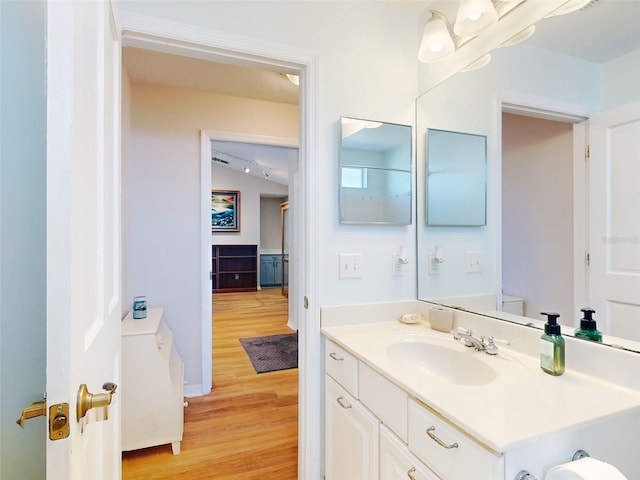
[350,265]
[397,267]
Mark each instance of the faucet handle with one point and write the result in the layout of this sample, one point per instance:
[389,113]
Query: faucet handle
[464,331]
[490,347]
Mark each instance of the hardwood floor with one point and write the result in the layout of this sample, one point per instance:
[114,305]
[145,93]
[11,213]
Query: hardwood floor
[247,427]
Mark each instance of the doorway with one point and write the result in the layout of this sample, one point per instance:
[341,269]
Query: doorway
[144,33]
[537,214]
[542,209]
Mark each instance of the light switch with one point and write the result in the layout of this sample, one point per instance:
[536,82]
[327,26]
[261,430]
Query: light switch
[473,262]
[350,265]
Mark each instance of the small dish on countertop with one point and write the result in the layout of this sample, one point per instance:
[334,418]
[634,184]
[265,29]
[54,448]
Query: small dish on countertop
[411,318]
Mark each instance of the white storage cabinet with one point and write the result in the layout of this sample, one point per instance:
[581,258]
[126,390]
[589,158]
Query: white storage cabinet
[152,384]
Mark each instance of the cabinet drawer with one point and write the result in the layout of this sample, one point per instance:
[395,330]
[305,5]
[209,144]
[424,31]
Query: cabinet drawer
[387,401]
[342,366]
[397,462]
[462,462]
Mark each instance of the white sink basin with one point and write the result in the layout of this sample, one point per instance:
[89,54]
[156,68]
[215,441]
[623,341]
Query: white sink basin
[453,364]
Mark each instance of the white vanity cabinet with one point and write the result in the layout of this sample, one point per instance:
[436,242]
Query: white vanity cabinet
[434,426]
[363,414]
[152,384]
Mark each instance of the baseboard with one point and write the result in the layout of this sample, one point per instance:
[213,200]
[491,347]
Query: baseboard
[193,391]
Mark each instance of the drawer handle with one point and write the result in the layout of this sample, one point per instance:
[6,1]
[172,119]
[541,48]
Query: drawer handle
[343,403]
[433,437]
[335,356]
[410,473]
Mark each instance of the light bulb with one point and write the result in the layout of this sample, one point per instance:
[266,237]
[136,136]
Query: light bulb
[474,16]
[436,43]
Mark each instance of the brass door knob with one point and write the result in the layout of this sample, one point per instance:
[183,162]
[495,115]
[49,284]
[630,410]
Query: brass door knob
[86,401]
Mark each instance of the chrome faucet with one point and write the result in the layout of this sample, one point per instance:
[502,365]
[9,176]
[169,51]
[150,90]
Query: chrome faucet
[469,340]
[487,345]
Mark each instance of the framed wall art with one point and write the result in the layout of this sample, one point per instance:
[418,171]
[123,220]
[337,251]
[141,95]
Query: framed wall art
[225,211]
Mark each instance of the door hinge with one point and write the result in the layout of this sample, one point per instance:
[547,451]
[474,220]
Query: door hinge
[588,259]
[587,153]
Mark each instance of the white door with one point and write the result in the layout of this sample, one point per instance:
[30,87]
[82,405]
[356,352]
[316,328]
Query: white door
[83,233]
[614,179]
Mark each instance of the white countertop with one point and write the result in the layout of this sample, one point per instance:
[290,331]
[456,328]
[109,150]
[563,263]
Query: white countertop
[522,403]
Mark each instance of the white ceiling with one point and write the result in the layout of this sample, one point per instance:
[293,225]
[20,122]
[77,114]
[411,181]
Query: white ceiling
[264,161]
[599,33]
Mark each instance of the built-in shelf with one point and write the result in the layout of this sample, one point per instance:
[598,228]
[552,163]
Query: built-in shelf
[234,268]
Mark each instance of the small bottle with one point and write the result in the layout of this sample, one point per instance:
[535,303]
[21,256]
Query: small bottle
[588,329]
[552,346]
[139,307]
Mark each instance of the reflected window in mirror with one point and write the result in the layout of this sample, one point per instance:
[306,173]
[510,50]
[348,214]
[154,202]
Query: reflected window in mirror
[456,178]
[375,172]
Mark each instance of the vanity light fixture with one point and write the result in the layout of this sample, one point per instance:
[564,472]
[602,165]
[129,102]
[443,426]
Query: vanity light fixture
[473,17]
[437,43]
[441,39]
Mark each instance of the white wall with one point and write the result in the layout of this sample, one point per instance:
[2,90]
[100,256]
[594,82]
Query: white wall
[162,180]
[621,79]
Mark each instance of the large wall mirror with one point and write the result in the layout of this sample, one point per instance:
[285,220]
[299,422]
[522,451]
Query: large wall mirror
[525,238]
[375,172]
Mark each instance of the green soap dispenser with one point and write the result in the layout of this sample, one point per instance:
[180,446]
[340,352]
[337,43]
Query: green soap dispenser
[588,329]
[552,346]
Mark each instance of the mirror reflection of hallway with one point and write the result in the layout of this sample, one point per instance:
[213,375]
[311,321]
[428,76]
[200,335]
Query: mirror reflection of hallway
[537,214]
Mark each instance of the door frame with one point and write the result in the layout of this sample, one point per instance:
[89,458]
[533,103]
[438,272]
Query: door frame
[166,36]
[550,109]
[206,137]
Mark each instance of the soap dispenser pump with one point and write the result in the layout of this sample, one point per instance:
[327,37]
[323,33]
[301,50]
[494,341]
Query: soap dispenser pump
[588,329]
[552,346]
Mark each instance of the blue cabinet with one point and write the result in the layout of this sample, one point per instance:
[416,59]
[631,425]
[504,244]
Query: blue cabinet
[270,270]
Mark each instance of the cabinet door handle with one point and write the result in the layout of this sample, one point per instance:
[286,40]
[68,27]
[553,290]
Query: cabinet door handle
[433,437]
[343,403]
[410,473]
[336,357]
